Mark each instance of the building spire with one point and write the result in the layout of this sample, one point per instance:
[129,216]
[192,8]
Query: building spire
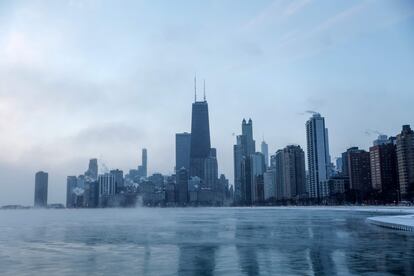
[195,87]
[204,88]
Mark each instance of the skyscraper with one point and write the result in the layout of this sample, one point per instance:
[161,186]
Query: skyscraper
[92,172]
[41,187]
[294,171]
[247,137]
[269,181]
[143,169]
[405,158]
[182,150]
[384,170]
[265,152]
[211,170]
[200,138]
[119,179]
[290,172]
[71,183]
[359,171]
[144,163]
[106,188]
[245,146]
[319,162]
[182,186]
[257,167]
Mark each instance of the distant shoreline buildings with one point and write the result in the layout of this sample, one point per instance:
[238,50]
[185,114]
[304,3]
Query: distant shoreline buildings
[382,175]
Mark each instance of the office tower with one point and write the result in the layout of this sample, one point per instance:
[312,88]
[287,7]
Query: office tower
[319,162]
[384,170]
[91,195]
[265,152]
[211,170]
[339,165]
[359,172]
[248,142]
[258,167]
[144,163]
[278,161]
[40,195]
[106,188]
[71,184]
[119,179]
[238,155]
[223,189]
[269,180]
[245,146]
[143,169]
[92,172]
[405,159]
[182,186]
[200,148]
[182,150]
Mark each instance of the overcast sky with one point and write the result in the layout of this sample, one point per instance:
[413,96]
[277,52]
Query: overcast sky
[82,79]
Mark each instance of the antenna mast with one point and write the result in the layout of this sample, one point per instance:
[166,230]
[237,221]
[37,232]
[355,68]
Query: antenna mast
[195,88]
[204,87]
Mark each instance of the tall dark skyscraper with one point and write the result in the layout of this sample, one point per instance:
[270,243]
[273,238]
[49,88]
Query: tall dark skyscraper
[143,168]
[244,148]
[200,148]
[182,150]
[41,183]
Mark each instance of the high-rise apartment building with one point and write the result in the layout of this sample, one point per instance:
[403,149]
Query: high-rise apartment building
[319,161]
[359,172]
[405,159]
[384,167]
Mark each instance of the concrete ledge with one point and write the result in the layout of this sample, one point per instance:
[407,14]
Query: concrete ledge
[403,223]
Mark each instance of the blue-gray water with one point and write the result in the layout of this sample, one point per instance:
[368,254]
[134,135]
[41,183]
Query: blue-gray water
[200,241]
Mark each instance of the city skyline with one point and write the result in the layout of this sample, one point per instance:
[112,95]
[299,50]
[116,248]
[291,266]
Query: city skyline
[104,113]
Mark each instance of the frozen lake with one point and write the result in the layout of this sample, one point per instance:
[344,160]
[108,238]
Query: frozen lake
[200,241]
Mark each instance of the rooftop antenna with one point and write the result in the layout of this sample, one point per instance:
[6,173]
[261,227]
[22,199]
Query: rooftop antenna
[195,87]
[204,87]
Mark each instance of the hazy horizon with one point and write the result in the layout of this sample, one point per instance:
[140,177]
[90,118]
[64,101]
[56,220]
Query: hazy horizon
[104,79]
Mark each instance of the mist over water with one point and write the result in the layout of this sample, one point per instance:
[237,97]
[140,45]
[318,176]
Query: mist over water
[199,241]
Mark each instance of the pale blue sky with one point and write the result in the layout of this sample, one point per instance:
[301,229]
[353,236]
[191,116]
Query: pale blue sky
[81,79]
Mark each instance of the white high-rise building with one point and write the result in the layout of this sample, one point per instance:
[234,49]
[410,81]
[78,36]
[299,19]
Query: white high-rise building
[265,152]
[319,161]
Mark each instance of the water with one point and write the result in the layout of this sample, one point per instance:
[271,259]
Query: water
[200,241]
